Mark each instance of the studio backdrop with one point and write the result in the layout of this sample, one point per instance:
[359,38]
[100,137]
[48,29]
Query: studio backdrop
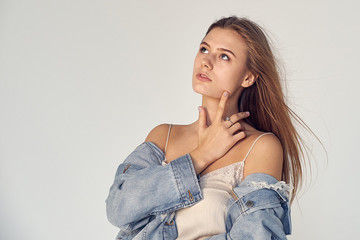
[83,82]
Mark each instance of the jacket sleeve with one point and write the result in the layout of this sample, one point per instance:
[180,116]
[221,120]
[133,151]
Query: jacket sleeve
[260,210]
[144,187]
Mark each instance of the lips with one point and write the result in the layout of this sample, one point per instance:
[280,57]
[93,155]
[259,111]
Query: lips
[203,77]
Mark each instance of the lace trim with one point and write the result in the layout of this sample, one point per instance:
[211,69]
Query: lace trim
[281,186]
[228,174]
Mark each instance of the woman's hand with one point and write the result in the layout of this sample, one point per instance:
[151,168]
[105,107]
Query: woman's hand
[218,138]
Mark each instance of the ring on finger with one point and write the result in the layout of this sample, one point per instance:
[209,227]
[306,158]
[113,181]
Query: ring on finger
[228,119]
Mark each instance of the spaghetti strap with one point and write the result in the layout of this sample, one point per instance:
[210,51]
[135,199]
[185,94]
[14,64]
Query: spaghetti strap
[254,144]
[167,139]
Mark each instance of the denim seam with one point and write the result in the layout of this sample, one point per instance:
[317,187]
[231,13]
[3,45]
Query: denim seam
[242,207]
[192,169]
[263,207]
[128,228]
[182,194]
[145,231]
[195,180]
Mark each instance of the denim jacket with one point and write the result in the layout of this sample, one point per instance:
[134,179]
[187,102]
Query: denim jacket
[146,193]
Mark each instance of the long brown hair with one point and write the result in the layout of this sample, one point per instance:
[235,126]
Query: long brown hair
[265,98]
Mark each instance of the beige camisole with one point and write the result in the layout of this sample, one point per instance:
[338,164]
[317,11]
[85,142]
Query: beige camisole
[207,217]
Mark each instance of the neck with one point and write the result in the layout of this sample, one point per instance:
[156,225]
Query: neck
[211,105]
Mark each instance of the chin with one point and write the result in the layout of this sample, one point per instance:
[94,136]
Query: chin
[200,89]
[200,92]
[205,92]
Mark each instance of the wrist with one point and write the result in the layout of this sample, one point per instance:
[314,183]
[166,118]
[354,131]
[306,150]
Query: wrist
[200,160]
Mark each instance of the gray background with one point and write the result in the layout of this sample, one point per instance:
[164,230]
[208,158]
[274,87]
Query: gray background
[83,82]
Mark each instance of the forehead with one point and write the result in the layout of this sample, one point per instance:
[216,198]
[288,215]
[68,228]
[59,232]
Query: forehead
[226,38]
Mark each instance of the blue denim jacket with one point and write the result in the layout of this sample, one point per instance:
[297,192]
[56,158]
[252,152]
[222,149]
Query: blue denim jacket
[146,193]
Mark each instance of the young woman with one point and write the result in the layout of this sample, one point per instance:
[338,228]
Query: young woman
[229,174]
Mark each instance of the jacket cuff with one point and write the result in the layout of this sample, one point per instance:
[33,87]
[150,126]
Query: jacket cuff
[186,179]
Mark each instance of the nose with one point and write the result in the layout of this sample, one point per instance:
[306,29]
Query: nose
[206,63]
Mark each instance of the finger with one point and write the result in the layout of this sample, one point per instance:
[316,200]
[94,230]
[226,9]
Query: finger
[202,120]
[229,122]
[239,116]
[221,106]
[236,127]
[235,118]
[237,137]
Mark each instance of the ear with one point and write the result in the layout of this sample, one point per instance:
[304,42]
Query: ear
[249,79]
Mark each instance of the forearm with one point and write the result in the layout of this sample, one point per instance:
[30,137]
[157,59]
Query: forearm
[141,190]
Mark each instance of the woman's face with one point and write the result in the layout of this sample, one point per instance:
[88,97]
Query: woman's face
[220,64]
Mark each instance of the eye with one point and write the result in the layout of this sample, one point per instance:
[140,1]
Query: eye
[203,50]
[224,57]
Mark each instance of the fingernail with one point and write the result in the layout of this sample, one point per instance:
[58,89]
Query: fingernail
[199,109]
[226,93]
[247,113]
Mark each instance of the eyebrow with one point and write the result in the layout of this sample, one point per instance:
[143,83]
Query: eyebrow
[223,49]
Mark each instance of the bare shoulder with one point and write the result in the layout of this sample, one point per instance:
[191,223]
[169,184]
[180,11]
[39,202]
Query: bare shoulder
[265,157]
[158,135]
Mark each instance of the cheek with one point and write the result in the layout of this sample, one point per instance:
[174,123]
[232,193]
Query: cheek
[232,77]
[238,78]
